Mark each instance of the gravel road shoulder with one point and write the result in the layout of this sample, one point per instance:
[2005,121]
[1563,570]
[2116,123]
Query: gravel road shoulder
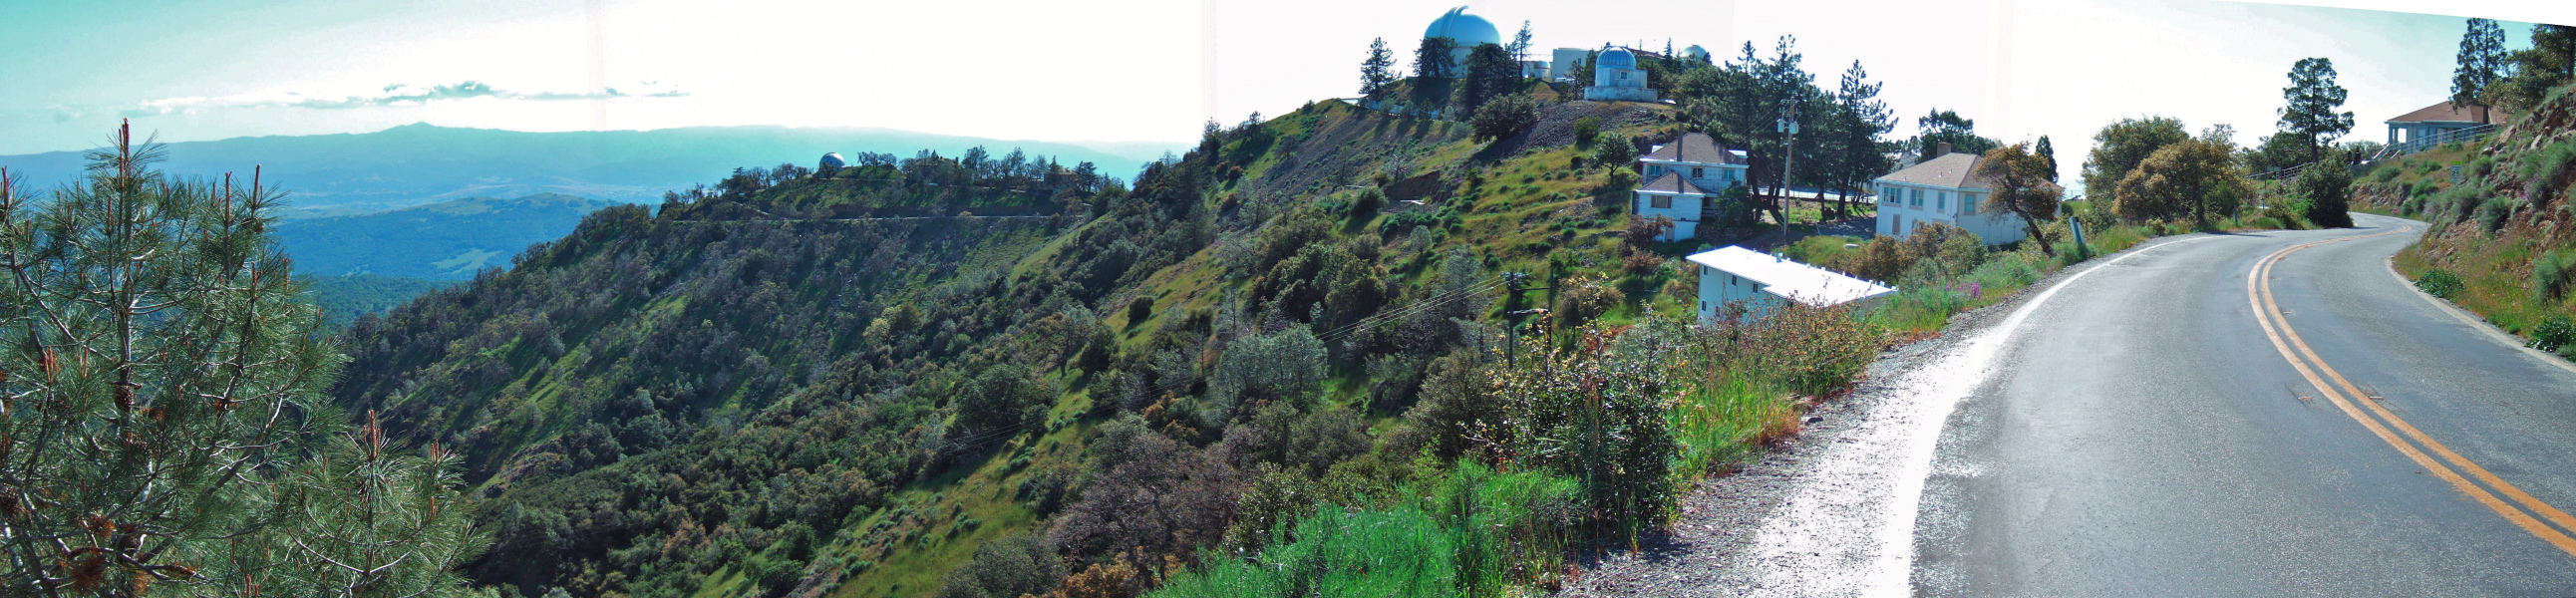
[1717,545]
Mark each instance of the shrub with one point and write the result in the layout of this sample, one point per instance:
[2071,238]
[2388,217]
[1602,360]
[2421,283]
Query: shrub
[1594,415]
[2553,334]
[2439,283]
[1005,567]
[1504,117]
[2328,194]
[1285,366]
[1586,129]
[1584,298]
[2491,213]
[1139,310]
[2549,274]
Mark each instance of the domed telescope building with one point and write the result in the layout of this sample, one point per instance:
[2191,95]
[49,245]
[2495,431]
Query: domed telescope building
[1465,32]
[1615,77]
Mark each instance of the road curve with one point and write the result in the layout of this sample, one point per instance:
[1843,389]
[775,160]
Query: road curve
[2176,425]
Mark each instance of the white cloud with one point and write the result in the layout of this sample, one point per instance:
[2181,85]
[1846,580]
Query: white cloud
[397,95]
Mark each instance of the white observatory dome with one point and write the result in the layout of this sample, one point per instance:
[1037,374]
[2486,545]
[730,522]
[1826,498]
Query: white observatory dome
[1465,30]
[1617,58]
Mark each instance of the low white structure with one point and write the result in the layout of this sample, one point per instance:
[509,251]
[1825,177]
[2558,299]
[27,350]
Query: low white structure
[1682,177]
[1565,60]
[1615,77]
[1760,282]
[1942,188]
[1535,69]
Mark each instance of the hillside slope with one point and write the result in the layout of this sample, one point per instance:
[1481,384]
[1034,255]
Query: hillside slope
[780,390]
[2503,242]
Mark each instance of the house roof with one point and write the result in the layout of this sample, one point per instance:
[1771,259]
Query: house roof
[2443,112]
[1788,279]
[1695,148]
[1953,169]
[1672,182]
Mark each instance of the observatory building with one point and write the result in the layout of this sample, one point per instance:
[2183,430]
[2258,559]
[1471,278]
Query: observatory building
[1615,77]
[1465,32]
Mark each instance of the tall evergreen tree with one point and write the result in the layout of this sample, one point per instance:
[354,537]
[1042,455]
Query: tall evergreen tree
[1433,60]
[2313,97]
[2549,62]
[1490,74]
[1850,154]
[2048,153]
[1521,42]
[1378,70]
[161,381]
[2482,62]
[1946,125]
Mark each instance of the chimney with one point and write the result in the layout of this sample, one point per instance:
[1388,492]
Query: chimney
[1939,150]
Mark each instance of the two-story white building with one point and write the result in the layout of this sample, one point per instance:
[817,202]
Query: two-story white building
[1762,282]
[1682,177]
[1942,188]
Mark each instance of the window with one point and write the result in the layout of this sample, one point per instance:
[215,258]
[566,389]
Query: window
[1654,171]
[1914,197]
[1968,203]
[1941,200]
[1696,174]
[1887,195]
[1663,201]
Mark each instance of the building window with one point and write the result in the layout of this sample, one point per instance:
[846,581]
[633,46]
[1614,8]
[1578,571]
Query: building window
[1663,201]
[1941,200]
[1914,197]
[1696,173]
[1968,203]
[1654,171]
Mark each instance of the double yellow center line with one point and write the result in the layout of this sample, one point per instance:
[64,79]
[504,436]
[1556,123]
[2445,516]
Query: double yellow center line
[2523,510]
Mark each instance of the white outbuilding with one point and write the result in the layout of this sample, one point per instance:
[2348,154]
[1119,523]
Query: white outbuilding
[1762,282]
[1615,77]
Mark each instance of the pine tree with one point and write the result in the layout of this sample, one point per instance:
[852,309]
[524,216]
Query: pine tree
[161,381]
[2482,62]
[1433,59]
[1378,70]
[2048,153]
[2313,97]
[1521,43]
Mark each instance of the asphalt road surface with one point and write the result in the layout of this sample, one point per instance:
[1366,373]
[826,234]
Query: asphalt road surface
[2182,424]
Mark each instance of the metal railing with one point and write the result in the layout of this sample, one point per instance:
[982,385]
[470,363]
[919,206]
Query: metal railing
[2436,140]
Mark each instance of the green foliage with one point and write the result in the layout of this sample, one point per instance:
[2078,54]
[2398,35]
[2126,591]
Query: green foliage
[347,297]
[1586,129]
[1505,116]
[2120,148]
[2482,62]
[2312,98]
[1286,367]
[2549,274]
[2191,179]
[1378,70]
[1596,416]
[1006,567]
[164,426]
[2440,283]
[2553,335]
[1469,534]
[2326,190]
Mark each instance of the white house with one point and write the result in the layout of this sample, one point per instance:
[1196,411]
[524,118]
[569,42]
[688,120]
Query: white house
[1615,77]
[1761,282]
[1681,178]
[1942,188]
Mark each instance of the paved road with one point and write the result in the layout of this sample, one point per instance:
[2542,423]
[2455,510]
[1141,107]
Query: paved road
[2145,435]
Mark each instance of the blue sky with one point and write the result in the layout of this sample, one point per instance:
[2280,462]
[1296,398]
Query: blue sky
[1149,70]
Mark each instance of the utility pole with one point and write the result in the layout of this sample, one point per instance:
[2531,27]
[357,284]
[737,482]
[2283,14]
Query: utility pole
[1516,282]
[1788,152]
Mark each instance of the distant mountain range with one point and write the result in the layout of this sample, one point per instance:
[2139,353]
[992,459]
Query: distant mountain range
[418,164]
[448,240]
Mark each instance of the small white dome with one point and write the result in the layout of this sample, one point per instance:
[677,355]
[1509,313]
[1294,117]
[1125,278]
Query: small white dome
[1616,58]
[1465,30]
